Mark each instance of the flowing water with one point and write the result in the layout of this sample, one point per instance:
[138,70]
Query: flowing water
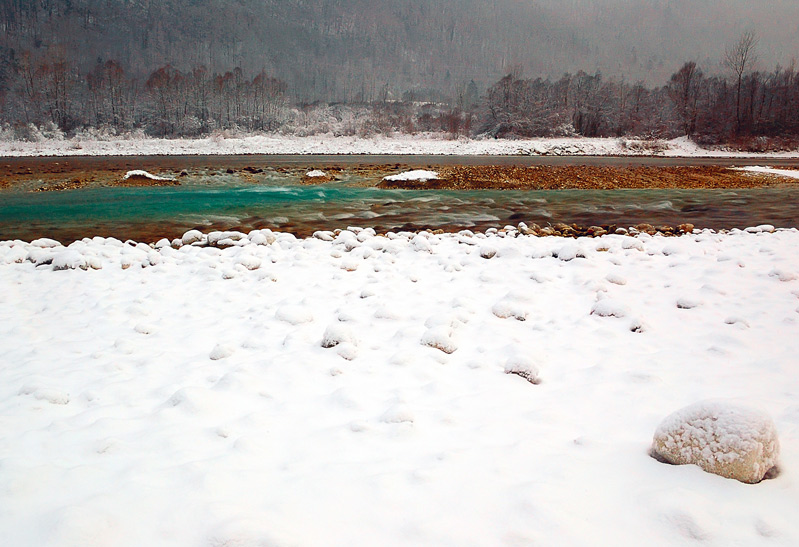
[149,213]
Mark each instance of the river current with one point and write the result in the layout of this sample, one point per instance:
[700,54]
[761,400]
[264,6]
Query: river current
[149,213]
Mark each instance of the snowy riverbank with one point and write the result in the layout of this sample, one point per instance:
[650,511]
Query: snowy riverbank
[406,144]
[183,396]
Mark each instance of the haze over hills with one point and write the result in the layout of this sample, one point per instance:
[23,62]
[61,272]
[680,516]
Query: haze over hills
[351,50]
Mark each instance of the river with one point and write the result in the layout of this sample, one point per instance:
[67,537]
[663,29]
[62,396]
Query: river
[148,213]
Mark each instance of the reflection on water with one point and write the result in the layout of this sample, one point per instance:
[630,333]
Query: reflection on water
[149,213]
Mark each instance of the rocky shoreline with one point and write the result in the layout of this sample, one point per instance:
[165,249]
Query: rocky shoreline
[586,177]
[70,174]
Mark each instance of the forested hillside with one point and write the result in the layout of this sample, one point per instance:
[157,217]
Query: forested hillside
[184,67]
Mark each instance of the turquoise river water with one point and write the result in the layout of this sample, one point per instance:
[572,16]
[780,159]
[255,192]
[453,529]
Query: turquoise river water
[149,213]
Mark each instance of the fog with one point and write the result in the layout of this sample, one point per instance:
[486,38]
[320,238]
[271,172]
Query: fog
[364,49]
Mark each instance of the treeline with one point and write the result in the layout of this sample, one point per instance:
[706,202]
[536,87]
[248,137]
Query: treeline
[51,92]
[50,96]
[167,103]
[711,109]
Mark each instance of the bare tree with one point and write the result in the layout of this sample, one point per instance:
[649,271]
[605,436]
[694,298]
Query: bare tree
[683,88]
[739,57]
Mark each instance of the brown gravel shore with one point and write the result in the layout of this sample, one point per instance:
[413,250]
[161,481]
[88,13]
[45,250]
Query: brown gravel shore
[42,174]
[589,178]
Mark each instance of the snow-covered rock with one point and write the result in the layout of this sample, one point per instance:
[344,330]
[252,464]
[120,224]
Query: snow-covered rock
[69,260]
[419,175]
[139,173]
[727,439]
[488,251]
[45,243]
[523,367]
[192,236]
[608,307]
[440,337]
[337,333]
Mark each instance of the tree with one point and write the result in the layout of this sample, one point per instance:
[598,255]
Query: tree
[683,88]
[738,57]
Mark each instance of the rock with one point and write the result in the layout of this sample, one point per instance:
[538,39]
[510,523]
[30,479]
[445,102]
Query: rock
[45,243]
[564,229]
[569,252]
[609,308]
[224,239]
[686,228]
[338,333]
[596,231]
[69,260]
[324,235]
[523,367]
[439,338]
[506,308]
[488,251]
[192,236]
[727,439]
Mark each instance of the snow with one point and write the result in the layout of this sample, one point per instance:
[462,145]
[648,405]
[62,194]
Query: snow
[721,437]
[165,401]
[316,173]
[145,174]
[789,173]
[420,175]
[427,144]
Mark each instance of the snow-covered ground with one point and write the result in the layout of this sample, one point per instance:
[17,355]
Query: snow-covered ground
[793,174]
[407,144]
[353,390]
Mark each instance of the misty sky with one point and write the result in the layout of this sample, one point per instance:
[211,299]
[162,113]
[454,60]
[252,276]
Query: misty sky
[334,49]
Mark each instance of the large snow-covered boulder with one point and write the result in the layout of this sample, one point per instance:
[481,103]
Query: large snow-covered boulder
[723,438]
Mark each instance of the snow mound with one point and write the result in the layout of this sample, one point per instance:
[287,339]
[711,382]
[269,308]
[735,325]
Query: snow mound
[419,175]
[783,275]
[508,308]
[221,351]
[524,367]
[688,303]
[397,414]
[45,243]
[316,173]
[488,251]
[138,173]
[338,333]
[439,337]
[727,439]
[608,307]
[192,236]
[294,315]
[568,252]
[69,260]
[616,279]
